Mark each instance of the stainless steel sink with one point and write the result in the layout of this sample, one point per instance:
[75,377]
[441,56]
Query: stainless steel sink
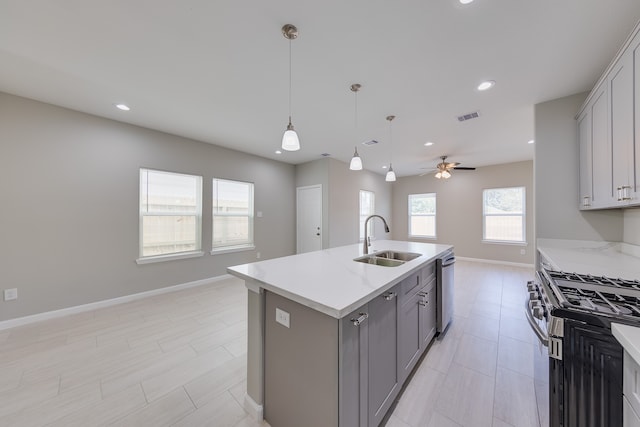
[401,256]
[387,258]
[385,262]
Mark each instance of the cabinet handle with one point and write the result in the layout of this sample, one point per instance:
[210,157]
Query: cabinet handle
[619,190]
[586,201]
[423,294]
[389,296]
[625,192]
[361,318]
[423,303]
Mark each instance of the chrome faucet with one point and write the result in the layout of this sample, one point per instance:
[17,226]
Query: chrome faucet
[367,239]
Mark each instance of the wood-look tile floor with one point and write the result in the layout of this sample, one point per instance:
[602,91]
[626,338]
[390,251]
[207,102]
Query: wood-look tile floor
[179,359]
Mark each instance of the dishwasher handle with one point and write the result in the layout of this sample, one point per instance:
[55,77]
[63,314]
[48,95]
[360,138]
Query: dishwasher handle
[450,260]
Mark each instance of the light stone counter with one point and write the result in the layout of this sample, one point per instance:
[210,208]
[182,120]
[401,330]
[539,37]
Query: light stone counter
[330,281]
[616,260]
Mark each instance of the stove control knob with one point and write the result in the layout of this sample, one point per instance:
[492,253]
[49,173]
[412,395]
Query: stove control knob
[531,286]
[534,296]
[538,312]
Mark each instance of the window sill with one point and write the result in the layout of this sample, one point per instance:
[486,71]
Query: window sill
[504,242]
[232,249]
[424,237]
[169,257]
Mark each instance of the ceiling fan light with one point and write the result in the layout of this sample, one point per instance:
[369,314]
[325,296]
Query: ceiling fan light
[439,175]
[290,141]
[391,175]
[446,174]
[356,161]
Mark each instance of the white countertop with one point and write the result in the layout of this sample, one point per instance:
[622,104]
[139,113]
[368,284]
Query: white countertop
[629,337]
[330,281]
[617,260]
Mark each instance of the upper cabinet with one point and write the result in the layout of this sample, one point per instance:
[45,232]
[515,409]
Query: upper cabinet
[609,134]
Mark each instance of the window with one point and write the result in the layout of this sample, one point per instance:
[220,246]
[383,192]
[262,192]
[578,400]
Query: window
[422,215]
[170,213]
[367,207]
[503,212]
[232,215]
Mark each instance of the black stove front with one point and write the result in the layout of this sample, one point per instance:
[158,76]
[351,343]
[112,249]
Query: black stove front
[572,316]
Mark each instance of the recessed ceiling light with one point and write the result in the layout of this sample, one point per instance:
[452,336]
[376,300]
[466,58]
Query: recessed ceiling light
[486,85]
[384,167]
[278,152]
[465,1]
[428,144]
[531,141]
[123,107]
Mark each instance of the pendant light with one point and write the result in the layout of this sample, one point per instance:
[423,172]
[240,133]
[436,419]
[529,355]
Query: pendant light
[391,175]
[290,141]
[356,161]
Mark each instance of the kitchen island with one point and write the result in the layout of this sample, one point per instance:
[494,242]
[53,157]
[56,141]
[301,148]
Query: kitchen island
[332,340]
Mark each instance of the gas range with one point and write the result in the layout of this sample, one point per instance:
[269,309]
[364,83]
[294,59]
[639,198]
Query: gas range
[579,357]
[592,299]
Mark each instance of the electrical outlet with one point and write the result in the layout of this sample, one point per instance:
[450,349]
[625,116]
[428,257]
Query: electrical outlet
[522,252]
[258,255]
[282,317]
[10,294]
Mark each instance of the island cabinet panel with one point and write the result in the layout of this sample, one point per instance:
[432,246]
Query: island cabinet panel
[383,361]
[300,366]
[416,321]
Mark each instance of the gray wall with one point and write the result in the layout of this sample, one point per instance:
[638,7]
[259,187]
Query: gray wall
[69,183]
[459,209]
[632,226]
[341,191]
[557,177]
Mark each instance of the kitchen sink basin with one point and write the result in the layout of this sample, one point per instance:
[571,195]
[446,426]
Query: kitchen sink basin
[387,258]
[385,262]
[401,256]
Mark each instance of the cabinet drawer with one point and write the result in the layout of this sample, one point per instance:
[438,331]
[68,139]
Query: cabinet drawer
[631,381]
[409,287]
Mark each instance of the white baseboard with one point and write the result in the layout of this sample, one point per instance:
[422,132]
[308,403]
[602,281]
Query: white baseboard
[492,261]
[47,315]
[255,410]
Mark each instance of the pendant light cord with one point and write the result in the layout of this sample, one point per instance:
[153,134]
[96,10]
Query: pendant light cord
[289,81]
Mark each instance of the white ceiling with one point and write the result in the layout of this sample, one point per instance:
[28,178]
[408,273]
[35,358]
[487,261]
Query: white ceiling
[217,71]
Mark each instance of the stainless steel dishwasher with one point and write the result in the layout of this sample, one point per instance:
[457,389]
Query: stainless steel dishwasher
[444,292]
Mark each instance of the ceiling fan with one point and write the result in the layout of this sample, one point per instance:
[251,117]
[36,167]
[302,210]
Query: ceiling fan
[443,169]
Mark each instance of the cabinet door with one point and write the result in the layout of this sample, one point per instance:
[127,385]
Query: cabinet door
[427,314]
[586,165]
[601,143]
[635,182]
[383,381]
[622,132]
[409,342]
[353,368]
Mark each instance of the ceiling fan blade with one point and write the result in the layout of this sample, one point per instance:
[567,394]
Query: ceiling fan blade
[462,168]
[451,165]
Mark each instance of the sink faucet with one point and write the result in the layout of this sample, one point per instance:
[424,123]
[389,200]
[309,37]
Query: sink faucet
[367,239]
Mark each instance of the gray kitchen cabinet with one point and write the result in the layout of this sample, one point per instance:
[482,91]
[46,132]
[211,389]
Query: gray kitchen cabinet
[622,131]
[586,164]
[417,319]
[609,134]
[384,383]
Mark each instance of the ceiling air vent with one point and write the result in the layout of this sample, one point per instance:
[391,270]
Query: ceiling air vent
[372,142]
[469,116]
[325,155]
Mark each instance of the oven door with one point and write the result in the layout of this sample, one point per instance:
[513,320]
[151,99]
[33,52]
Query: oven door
[540,365]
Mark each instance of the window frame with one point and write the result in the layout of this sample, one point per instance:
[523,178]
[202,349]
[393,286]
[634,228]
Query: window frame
[250,243]
[434,215]
[197,252]
[523,215]
[372,207]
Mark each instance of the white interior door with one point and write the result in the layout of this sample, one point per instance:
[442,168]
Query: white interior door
[309,218]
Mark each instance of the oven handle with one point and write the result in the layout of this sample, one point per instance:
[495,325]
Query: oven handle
[544,339]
